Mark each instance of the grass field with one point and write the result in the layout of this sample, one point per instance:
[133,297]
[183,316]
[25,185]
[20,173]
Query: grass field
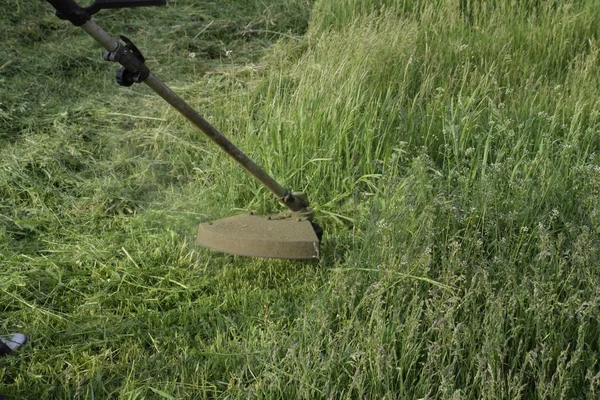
[450,149]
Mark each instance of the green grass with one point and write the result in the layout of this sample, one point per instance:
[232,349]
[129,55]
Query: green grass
[450,150]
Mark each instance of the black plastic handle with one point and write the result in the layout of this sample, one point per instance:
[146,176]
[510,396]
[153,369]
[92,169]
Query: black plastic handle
[69,9]
[64,6]
[100,4]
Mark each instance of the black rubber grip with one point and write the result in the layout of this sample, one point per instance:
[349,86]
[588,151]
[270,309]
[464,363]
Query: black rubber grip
[128,3]
[68,9]
[64,6]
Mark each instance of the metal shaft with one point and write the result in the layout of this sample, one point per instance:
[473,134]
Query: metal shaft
[284,195]
[213,134]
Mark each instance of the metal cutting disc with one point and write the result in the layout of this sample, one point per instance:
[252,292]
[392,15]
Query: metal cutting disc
[260,236]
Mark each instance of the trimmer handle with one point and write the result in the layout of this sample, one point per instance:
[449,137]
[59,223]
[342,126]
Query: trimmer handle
[69,9]
[100,4]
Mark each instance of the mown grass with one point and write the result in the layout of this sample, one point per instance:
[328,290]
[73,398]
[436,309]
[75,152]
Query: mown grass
[448,148]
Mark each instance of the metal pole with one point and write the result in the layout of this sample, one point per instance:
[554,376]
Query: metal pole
[213,134]
[292,201]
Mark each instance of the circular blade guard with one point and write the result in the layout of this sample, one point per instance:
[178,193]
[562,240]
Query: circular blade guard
[260,236]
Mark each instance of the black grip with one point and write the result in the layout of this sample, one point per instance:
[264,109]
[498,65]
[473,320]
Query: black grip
[100,4]
[68,9]
[64,6]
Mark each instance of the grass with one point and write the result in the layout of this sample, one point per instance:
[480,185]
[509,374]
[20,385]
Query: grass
[450,150]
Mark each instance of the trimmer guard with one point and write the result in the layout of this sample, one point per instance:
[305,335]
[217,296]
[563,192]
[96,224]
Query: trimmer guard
[259,236]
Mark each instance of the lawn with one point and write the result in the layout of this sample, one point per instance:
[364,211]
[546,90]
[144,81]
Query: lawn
[450,150]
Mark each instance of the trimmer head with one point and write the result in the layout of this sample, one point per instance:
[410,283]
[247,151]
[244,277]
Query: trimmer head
[260,236]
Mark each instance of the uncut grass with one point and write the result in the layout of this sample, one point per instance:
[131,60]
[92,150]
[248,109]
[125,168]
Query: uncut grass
[450,153]
[467,154]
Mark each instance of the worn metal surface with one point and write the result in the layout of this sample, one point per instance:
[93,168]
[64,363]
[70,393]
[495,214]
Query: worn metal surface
[260,236]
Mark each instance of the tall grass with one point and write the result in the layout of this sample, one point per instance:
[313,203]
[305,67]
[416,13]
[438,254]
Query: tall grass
[449,149]
[465,158]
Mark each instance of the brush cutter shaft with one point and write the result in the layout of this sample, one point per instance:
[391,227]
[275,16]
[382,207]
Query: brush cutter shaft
[213,134]
[292,201]
[100,36]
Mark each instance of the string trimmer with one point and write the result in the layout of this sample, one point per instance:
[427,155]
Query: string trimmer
[288,235]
